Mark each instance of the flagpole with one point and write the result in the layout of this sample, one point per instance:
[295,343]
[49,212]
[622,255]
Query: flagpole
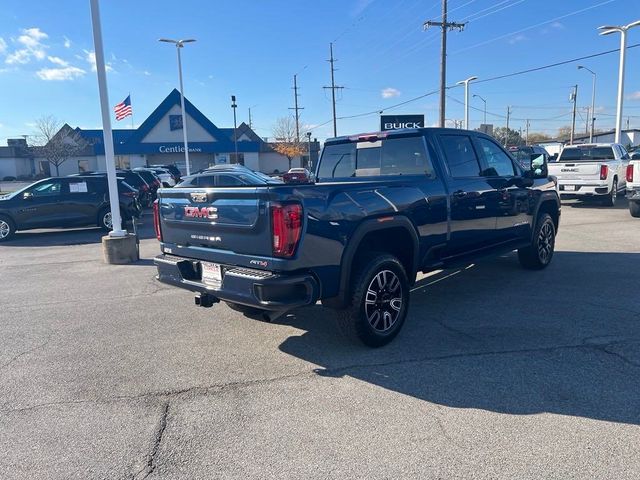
[131,103]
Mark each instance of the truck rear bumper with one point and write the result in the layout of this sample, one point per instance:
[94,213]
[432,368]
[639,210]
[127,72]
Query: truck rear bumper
[254,288]
[633,193]
[575,189]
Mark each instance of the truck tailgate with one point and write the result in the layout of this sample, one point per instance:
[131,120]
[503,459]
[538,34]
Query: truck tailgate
[232,219]
[575,171]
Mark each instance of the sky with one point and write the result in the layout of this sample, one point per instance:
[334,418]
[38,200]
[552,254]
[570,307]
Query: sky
[252,49]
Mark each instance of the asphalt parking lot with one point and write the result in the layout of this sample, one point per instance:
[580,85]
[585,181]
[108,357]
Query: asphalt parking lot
[498,373]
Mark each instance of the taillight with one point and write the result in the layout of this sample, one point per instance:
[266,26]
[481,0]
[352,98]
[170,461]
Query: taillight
[156,220]
[604,171]
[629,173]
[286,223]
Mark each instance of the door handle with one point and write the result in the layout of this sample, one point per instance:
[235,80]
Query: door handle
[460,194]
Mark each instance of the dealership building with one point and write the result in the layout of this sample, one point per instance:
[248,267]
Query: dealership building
[159,140]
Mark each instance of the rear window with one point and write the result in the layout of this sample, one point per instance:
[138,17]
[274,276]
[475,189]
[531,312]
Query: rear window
[586,154]
[393,156]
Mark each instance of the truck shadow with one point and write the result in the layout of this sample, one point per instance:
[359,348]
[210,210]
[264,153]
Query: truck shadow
[75,236]
[621,204]
[498,338]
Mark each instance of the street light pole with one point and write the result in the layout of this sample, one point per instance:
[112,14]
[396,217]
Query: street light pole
[235,128]
[593,101]
[114,202]
[466,99]
[607,30]
[309,148]
[180,44]
[484,121]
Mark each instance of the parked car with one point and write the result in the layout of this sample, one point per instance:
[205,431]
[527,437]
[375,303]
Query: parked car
[633,185]
[133,179]
[227,176]
[166,177]
[65,202]
[152,180]
[173,170]
[384,206]
[298,175]
[522,154]
[592,171]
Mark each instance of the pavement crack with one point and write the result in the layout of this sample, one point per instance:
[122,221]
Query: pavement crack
[455,331]
[157,440]
[26,352]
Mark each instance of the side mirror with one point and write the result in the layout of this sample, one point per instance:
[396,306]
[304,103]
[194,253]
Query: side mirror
[539,168]
[27,196]
[635,156]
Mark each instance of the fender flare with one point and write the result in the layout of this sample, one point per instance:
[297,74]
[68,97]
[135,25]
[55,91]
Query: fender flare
[548,196]
[366,227]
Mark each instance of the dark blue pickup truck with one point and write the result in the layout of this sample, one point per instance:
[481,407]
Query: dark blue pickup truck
[383,207]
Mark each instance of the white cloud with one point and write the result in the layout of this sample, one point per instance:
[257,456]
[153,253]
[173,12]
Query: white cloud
[90,57]
[67,42]
[60,74]
[517,39]
[31,47]
[58,61]
[147,73]
[3,45]
[557,25]
[390,92]
[634,95]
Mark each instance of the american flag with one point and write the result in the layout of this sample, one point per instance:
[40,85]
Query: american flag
[123,109]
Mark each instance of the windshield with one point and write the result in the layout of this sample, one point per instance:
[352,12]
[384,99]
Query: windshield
[586,154]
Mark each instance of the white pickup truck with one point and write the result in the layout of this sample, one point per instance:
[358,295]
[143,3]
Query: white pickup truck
[633,185]
[592,170]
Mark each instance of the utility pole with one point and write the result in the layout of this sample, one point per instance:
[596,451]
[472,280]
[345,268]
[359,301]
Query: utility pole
[296,108]
[573,97]
[333,89]
[526,139]
[506,134]
[445,26]
[250,124]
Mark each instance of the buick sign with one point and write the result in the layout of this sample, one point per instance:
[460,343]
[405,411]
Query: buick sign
[396,122]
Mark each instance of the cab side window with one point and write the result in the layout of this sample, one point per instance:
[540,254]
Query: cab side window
[498,163]
[460,156]
[47,189]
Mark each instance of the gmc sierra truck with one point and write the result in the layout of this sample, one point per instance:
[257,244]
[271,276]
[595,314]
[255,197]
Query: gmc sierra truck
[633,185]
[592,171]
[383,207]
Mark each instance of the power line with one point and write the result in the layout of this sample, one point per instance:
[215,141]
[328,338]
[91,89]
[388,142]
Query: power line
[491,79]
[551,65]
[533,26]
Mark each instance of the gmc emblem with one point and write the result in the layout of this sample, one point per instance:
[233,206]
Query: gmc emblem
[201,212]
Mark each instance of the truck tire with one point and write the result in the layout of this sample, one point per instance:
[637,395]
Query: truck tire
[7,228]
[634,209]
[538,255]
[612,197]
[379,301]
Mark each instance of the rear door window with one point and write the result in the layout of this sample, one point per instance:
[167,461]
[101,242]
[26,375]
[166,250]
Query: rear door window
[460,156]
[229,181]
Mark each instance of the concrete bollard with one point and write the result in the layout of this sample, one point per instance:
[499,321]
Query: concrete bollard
[120,250]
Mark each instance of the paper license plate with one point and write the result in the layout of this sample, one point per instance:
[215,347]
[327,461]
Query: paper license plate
[569,188]
[211,273]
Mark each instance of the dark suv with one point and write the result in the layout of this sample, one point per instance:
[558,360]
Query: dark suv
[65,202]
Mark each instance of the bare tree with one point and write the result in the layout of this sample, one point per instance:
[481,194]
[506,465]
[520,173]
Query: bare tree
[287,143]
[56,142]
